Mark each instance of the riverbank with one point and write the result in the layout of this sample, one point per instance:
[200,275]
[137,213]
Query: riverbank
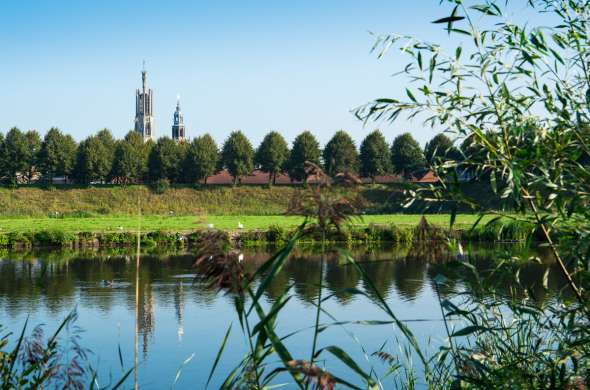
[65,201]
[188,223]
[243,230]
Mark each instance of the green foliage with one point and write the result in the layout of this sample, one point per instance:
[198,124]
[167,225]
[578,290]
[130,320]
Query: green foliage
[501,230]
[340,154]
[276,234]
[32,158]
[54,238]
[407,157]
[130,159]
[375,156]
[440,148]
[15,154]
[57,154]
[516,95]
[94,159]
[165,160]
[305,148]
[237,155]
[38,362]
[160,186]
[272,154]
[202,159]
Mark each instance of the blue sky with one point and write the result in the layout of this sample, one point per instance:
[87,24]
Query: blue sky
[250,65]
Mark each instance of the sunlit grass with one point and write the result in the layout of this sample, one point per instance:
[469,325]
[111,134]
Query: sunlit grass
[191,223]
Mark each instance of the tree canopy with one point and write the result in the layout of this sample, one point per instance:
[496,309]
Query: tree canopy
[340,154]
[32,159]
[272,155]
[305,148]
[237,155]
[57,154]
[407,157]
[94,160]
[165,160]
[16,154]
[130,159]
[202,159]
[375,156]
[440,148]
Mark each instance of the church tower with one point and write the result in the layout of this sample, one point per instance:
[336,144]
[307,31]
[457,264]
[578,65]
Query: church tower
[178,134]
[144,109]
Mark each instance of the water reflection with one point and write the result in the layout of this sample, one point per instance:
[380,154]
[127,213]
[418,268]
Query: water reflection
[33,282]
[29,281]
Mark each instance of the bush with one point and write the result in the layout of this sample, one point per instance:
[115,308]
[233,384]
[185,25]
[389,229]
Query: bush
[53,238]
[124,238]
[19,239]
[401,236]
[276,234]
[160,186]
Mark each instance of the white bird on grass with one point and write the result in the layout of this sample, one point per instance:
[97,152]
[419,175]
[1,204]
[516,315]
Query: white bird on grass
[240,225]
[210,226]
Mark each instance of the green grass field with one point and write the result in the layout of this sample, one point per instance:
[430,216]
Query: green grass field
[183,224]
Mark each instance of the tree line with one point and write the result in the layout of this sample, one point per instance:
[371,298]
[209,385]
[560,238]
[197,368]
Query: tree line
[100,158]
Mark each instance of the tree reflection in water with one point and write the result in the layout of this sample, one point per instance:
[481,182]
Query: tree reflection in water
[50,281]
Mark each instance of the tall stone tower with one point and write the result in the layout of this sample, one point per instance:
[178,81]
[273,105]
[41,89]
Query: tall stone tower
[144,109]
[178,133]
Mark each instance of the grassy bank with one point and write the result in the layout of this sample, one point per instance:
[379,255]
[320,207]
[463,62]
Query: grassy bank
[113,200]
[257,230]
[31,201]
[185,224]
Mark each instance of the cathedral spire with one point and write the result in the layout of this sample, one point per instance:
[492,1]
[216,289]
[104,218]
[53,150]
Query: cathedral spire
[144,108]
[178,131]
[143,77]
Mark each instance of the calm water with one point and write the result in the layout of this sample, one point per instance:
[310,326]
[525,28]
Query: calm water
[179,317]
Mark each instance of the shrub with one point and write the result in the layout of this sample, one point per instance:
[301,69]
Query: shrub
[19,239]
[124,238]
[160,186]
[276,234]
[53,238]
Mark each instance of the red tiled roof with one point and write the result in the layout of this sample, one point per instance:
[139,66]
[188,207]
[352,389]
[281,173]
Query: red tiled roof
[383,179]
[257,177]
[221,177]
[428,177]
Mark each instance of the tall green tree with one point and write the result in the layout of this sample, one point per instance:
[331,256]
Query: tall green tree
[202,159]
[16,154]
[375,155]
[237,155]
[130,159]
[32,160]
[165,160]
[57,155]
[272,155]
[407,157]
[440,148]
[94,159]
[340,154]
[305,148]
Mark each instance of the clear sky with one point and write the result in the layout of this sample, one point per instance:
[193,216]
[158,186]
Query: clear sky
[250,65]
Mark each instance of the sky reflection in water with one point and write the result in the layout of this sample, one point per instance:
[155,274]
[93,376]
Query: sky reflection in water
[179,317]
